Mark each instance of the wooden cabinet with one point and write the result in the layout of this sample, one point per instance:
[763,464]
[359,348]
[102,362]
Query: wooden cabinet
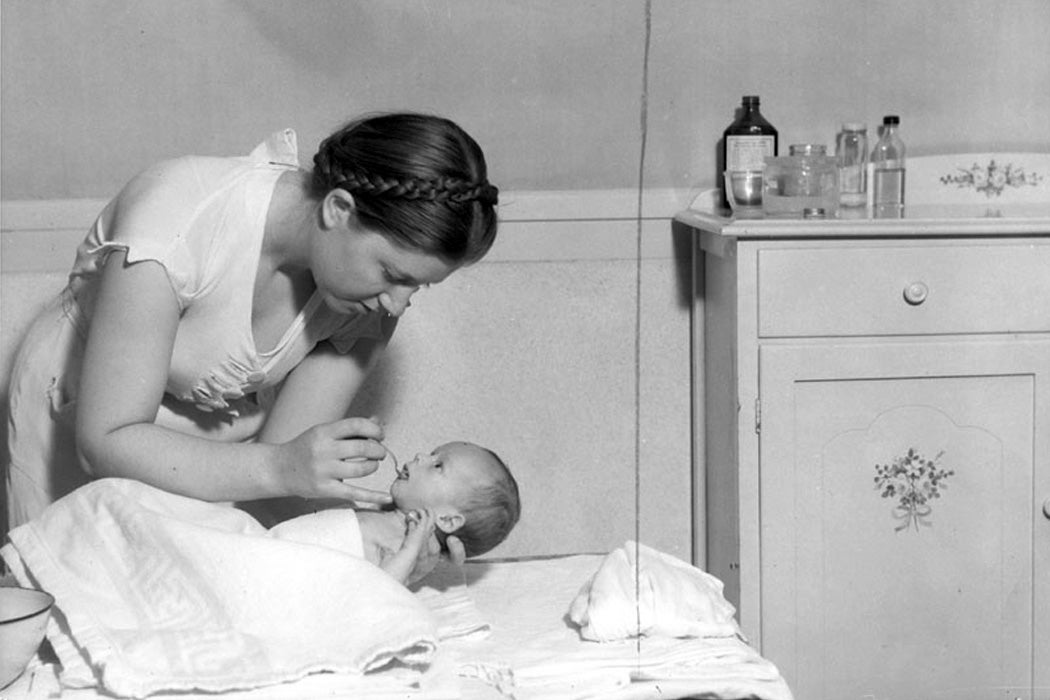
[872,409]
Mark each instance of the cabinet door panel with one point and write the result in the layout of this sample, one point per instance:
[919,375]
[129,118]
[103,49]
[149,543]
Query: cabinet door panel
[900,525]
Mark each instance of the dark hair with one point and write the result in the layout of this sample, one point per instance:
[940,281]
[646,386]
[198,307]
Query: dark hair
[490,510]
[418,179]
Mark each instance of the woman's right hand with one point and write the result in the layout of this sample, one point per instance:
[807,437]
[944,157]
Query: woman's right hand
[319,462]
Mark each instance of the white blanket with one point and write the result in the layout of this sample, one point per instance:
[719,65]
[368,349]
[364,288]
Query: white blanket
[639,591]
[159,593]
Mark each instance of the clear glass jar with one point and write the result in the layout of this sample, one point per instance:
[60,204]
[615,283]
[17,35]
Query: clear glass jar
[808,178]
[851,148]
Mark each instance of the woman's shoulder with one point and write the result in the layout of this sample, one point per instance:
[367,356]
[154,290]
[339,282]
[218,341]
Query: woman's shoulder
[176,183]
[181,182]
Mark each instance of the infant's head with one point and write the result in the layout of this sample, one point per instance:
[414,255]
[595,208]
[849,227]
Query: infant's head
[469,489]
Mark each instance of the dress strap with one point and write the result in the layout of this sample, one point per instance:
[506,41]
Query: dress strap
[280,148]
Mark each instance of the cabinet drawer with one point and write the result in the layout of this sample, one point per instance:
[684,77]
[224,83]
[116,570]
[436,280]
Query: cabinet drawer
[904,290]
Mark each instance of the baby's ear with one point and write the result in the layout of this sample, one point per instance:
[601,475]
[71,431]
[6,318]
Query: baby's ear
[450,521]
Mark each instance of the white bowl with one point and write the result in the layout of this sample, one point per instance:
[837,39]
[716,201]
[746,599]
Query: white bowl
[23,617]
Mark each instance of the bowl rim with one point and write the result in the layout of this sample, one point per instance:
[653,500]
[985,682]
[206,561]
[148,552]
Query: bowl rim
[49,601]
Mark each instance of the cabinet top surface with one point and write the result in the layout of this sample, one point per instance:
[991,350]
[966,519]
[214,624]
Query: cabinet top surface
[916,220]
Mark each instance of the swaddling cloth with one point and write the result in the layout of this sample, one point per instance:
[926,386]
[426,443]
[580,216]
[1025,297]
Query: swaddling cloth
[157,592]
[335,528]
[670,598]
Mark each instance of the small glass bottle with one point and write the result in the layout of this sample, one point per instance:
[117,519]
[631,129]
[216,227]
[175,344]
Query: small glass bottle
[851,148]
[887,163]
[747,141]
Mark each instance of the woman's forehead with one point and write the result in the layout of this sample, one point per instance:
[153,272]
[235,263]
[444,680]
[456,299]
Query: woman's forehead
[416,265]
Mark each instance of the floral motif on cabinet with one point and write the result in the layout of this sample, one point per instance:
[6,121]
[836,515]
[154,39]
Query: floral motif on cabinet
[992,179]
[912,481]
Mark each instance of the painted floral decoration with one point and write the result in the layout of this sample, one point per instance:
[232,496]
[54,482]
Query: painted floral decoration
[993,178]
[913,481]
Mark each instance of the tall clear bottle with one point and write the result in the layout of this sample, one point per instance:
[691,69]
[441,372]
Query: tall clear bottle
[748,140]
[851,149]
[887,165]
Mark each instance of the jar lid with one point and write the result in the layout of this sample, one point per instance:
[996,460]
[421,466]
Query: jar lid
[891,119]
[854,126]
[813,213]
[807,149]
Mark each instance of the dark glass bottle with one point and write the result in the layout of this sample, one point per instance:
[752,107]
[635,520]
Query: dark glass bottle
[747,141]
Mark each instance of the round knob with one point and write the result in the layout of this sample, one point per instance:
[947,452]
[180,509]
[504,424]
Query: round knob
[1046,508]
[916,293]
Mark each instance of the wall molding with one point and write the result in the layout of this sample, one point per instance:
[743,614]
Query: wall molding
[536,226]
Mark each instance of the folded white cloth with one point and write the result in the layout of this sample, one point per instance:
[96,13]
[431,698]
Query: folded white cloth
[157,592]
[638,591]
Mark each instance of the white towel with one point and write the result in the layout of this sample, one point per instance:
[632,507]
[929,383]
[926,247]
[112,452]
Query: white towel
[443,591]
[157,592]
[638,591]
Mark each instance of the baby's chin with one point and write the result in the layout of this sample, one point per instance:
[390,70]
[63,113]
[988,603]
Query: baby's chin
[398,500]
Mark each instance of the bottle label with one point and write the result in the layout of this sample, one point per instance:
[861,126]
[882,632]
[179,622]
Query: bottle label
[748,152]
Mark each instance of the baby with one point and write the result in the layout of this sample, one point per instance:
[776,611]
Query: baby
[459,489]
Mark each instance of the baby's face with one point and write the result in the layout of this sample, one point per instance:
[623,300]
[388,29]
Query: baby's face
[440,479]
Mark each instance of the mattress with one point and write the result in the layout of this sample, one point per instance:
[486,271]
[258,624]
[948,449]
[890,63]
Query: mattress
[527,649]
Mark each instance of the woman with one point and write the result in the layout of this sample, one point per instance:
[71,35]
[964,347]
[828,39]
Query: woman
[222,313]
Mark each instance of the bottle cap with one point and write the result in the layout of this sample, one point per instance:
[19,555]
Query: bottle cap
[750,100]
[854,126]
[891,119]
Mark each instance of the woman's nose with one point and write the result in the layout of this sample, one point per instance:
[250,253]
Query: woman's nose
[396,300]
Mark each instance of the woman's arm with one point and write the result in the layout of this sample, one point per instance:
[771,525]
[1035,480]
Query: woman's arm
[321,387]
[319,390]
[125,371]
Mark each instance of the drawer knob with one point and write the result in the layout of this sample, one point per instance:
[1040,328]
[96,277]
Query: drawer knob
[1046,508]
[916,293]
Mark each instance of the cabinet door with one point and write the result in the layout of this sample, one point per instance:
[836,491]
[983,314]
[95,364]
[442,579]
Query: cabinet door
[903,543]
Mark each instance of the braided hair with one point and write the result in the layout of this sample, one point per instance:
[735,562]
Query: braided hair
[418,179]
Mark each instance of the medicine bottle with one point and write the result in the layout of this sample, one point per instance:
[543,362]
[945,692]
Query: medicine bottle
[851,148]
[748,140]
[887,161]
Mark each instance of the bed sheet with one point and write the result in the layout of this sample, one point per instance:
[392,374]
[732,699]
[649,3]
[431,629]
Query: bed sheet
[530,651]
[534,651]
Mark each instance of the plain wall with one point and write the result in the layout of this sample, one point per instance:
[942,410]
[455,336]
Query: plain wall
[535,355]
[94,90]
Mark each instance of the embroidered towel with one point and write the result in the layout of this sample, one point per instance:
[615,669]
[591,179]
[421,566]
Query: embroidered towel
[157,592]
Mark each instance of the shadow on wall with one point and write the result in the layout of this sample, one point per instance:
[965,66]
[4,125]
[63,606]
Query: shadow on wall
[6,456]
[682,240]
